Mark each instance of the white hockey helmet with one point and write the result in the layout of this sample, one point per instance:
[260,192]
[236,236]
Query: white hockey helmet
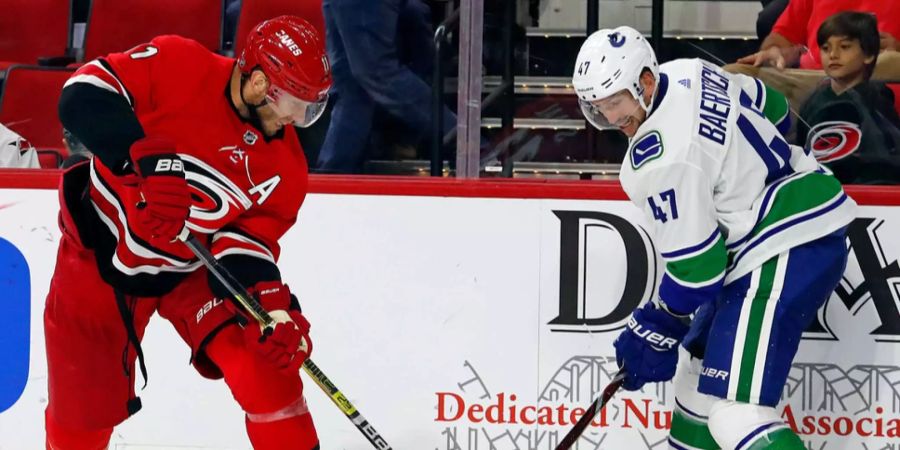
[610,61]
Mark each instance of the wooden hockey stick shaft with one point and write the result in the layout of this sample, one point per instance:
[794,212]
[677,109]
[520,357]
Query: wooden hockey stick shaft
[608,392]
[259,313]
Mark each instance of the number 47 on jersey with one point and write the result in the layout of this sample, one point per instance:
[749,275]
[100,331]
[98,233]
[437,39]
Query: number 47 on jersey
[666,199]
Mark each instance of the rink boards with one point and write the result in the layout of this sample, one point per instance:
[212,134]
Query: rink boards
[463,315]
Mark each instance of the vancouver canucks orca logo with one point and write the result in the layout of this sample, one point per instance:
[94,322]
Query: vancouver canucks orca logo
[833,140]
[616,39]
[647,148]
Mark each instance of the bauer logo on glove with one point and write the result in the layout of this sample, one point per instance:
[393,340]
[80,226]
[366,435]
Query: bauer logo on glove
[169,165]
[657,340]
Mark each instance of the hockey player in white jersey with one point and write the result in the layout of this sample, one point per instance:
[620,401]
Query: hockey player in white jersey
[751,231]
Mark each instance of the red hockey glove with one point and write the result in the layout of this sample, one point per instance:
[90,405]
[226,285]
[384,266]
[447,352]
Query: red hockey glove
[289,345]
[165,198]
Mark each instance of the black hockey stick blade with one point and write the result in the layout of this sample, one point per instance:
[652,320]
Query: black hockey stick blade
[608,392]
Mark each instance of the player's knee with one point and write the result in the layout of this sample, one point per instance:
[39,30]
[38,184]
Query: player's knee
[289,428]
[686,381]
[295,409]
[689,422]
[276,411]
[740,426]
[256,385]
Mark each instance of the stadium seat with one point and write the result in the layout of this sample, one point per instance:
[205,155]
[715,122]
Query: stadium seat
[31,29]
[895,86]
[28,103]
[255,11]
[118,25]
[51,158]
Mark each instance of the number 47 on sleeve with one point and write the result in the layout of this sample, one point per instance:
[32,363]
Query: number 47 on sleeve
[664,198]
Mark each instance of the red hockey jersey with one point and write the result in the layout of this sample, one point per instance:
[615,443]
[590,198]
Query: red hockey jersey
[246,189]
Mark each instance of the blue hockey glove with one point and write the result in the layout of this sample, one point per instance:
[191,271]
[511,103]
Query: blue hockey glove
[648,347]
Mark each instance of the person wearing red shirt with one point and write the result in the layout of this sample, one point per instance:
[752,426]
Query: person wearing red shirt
[793,39]
[792,44]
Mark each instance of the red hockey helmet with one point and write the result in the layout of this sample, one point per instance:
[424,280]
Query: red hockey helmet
[292,55]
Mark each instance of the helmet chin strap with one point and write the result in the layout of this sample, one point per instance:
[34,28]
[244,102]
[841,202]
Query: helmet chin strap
[253,110]
[640,98]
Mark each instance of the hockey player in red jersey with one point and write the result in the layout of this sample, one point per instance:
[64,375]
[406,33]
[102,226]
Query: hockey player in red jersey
[183,137]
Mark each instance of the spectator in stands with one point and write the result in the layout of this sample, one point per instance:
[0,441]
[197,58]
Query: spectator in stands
[75,150]
[16,152]
[766,19]
[369,43]
[850,122]
[232,11]
[792,44]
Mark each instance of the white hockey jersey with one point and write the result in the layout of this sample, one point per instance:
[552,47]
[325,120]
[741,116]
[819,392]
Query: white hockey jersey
[725,192]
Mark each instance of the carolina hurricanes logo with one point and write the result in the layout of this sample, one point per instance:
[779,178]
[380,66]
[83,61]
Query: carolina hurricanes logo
[833,140]
[216,199]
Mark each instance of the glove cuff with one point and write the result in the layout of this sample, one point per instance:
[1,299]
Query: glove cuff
[683,318]
[272,295]
[659,321]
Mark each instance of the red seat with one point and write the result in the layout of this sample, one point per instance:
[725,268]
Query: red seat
[255,11]
[118,25]
[30,29]
[28,103]
[896,88]
[51,158]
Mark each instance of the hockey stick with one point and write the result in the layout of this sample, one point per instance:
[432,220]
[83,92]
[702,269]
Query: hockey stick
[569,439]
[260,314]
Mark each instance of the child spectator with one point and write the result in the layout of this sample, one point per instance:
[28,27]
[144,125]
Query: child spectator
[792,43]
[849,121]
